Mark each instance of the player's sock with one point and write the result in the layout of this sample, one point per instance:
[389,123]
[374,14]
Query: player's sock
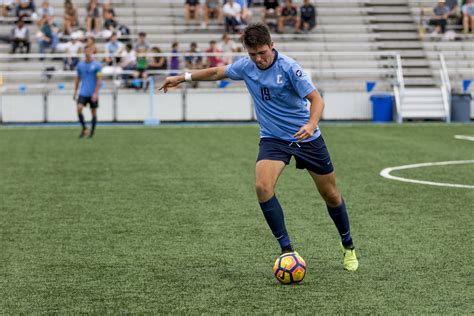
[275,219]
[341,220]
[94,123]
[81,120]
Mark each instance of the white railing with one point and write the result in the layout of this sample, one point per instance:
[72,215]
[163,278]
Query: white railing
[445,87]
[399,89]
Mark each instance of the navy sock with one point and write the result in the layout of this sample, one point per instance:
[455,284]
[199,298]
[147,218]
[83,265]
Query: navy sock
[276,221]
[81,120]
[94,122]
[341,220]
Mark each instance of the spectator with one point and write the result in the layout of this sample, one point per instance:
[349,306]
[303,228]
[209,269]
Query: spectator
[232,13]
[174,61]
[48,35]
[246,14]
[142,43]
[191,10]
[90,43]
[270,9]
[129,58]
[73,50]
[212,9]
[453,8]
[157,62]
[193,60]
[308,16]
[288,17]
[25,8]
[236,58]
[70,18]
[20,38]
[213,61]
[141,67]
[43,12]
[93,17]
[113,50]
[440,18]
[110,22]
[227,46]
[7,5]
[107,7]
[468,16]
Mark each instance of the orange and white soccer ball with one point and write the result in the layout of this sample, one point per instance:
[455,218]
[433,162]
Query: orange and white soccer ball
[289,268]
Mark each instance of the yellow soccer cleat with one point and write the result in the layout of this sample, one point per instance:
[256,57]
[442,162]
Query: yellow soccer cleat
[350,261]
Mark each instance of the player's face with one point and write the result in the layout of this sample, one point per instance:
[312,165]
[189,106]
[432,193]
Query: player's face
[262,56]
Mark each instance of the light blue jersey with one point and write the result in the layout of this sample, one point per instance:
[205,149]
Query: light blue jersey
[278,93]
[88,74]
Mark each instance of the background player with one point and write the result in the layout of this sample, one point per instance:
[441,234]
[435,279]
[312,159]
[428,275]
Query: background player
[280,90]
[90,78]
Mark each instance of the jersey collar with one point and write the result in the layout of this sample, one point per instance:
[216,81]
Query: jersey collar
[274,61]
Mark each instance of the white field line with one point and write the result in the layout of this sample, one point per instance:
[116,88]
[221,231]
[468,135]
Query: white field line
[386,173]
[464,137]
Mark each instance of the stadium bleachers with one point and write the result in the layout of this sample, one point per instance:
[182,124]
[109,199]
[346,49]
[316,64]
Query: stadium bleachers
[350,46]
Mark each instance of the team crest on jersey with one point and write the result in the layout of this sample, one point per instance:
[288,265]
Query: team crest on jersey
[279,79]
[299,73]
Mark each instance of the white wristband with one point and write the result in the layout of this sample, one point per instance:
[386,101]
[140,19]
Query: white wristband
[188,77]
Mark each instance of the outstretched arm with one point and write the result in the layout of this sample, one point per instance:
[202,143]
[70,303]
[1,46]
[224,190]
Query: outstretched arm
[209,74]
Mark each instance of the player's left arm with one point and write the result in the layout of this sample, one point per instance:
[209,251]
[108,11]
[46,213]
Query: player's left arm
[95,96]
[315,112]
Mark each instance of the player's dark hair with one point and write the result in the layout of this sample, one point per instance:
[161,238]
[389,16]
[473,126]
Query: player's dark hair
[256,35]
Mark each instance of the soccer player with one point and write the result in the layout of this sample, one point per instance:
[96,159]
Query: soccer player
[90,77]
[280,90]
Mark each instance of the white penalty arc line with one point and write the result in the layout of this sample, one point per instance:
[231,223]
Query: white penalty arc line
[386,173]
[464,137]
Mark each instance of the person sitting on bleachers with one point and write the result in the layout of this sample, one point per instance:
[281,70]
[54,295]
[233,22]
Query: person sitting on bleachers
[90,43]
[194,60]
[7,5]
[227,46]
[25,8]
[453,6]
[270,9]
[468,16]
[20,38]
[308,16]
[213,61]
[232,13]
[246,14]
[70,21]
[48,35]
[142,42]
[141,68]
[93,17]
[191,10]
[174,60]
[157,62]
[73,50]
[43,12]
[110,22]
[212,9]
[440,17]
[113,50]
[288,17]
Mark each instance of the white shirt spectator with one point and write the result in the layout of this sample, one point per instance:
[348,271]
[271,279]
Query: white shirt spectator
[74,48]
[20,33]
[128,58]
[234,10]
[228,47]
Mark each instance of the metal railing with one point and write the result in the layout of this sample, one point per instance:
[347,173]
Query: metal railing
[399,88]
[445,87]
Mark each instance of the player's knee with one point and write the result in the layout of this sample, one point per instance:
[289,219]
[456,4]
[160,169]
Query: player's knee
[332,197]
[264,191]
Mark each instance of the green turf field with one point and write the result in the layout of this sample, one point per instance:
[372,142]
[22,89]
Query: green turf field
[165,220]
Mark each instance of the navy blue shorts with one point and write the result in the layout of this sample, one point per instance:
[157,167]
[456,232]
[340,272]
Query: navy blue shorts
[312,155]
[88,100]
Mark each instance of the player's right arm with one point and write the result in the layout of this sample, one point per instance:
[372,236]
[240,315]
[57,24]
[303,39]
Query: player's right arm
[209,74]
[76,86]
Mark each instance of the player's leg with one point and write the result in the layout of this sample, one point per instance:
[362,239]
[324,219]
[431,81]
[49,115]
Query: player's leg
[94,106]
[326,185]
[267,173]
[80,115]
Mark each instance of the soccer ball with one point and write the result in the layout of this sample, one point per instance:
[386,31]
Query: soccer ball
[289,268]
